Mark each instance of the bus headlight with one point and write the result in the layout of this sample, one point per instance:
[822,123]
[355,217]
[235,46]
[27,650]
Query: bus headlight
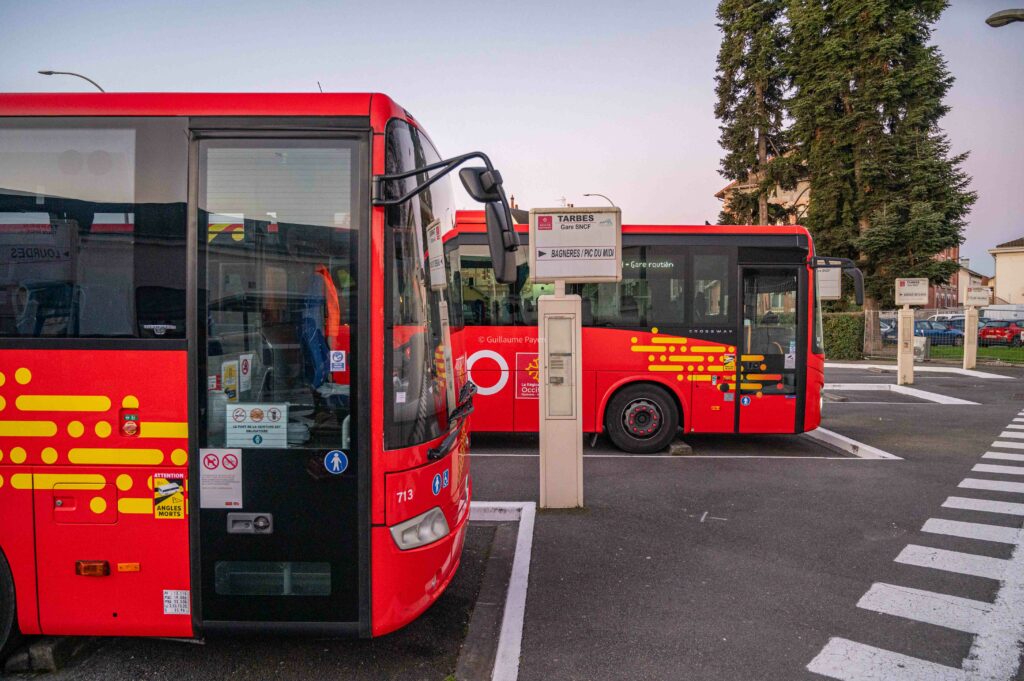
[426,528]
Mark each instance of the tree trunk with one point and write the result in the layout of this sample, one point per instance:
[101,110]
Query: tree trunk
[762,156]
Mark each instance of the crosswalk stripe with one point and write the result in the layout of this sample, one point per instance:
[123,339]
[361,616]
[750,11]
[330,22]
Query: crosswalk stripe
[1018,420]
[953,561]
[987,505]
[1008,445]
[1006,456]
[851,661]
[1008,433]
[994,485]
[1014,427]
[983,531]
[943,610]
[993,468]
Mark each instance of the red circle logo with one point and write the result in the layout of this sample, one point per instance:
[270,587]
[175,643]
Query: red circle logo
[230,462]
[211,461]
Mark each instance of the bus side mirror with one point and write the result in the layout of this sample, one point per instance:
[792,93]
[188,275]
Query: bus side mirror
[502,240]
[485,186]
[858,283]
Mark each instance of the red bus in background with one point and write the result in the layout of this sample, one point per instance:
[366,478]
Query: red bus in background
[228,396]
[712,330]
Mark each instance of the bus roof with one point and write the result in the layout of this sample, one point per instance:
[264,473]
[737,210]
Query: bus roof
[474,222]
[378,107]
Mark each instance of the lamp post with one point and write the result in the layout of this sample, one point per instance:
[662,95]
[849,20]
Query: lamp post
[610,202]
[1004,17]
[69,73]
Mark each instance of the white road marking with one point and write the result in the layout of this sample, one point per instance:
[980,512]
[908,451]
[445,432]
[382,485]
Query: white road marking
[953,561]
[1005,456]
[983,531]
[952,612]
[510,641]
[901,389]
[938,370]
[1011,434]
[1018,420]
[993,468]
[849,445]
[1014,427]
[1008,445]
[851,661]
[997,649]
[993,485]
[986,505]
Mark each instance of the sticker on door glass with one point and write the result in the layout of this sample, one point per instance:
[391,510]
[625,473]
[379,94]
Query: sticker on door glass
[176,602]
[257,425]
[338,362]
[220,478]
[169,495]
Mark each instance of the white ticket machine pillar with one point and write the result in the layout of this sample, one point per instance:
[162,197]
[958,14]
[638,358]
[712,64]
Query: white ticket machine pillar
[905,351]
[970,337]
[561,396]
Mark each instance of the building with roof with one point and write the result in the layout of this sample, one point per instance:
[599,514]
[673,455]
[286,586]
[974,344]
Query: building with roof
[1009,277]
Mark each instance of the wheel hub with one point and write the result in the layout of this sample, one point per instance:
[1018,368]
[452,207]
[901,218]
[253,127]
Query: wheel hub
[641,418]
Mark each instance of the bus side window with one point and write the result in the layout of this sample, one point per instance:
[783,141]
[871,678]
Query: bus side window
[711,289]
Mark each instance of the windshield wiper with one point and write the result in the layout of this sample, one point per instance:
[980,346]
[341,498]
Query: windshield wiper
[455,419]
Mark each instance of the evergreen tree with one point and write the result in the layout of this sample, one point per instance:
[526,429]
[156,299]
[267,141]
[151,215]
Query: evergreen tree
[750,86]
[868,97]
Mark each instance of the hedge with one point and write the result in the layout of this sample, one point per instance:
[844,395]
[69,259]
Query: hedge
[843,335]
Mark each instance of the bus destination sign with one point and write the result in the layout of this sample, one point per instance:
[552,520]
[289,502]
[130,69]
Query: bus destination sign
[576,244]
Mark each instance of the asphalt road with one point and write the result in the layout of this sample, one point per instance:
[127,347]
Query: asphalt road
[745,568]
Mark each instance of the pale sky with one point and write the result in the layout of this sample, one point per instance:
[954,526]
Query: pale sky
[567,98]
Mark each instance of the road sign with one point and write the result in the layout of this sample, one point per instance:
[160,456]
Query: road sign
[912,291]
[978,295]
[576,244]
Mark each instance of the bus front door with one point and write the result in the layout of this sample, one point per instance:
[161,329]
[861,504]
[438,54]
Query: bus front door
[281,540]
[771,351]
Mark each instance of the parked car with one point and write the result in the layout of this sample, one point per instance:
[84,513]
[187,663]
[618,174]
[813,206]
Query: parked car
[1002,333]
[946,316]
[940,333]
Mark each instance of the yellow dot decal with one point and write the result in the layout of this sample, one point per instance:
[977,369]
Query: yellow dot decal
[3,403]
[1,481]
[679,377]
[17,455]
[650,358]
[3,379]
[103,429]
[23,375]
[124,482]
[130,402]
[689,368]
[149,483]
[654,329]
[49,455]
[179,457]
[75,429]
[671,348]
[1,455]
[732,349]
[763,367]
[759,394]
[98,505]
[631,340]
[663,358]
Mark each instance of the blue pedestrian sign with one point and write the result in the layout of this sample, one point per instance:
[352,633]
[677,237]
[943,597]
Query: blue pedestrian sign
[435,486]
[335,462]
[745,400]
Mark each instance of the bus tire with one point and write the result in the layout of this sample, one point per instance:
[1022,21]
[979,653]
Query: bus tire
[9,635]
[641,419]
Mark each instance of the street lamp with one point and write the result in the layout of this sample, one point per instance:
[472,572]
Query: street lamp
[69,73]
[1004,17]
[610,202]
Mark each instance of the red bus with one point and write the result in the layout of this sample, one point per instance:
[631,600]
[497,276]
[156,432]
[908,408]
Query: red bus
[712,330]
[228,397]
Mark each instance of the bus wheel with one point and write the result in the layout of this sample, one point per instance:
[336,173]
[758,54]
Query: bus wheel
[641,419]
[9,636]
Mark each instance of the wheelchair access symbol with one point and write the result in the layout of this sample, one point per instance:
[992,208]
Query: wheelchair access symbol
[335,462]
